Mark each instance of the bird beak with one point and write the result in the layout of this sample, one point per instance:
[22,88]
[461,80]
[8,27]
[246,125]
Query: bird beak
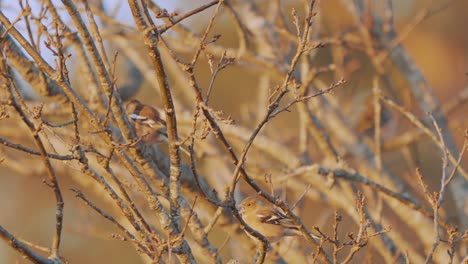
[135,117]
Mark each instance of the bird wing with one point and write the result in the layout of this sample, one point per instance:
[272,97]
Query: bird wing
[158,122]
[155,123]
[275,217]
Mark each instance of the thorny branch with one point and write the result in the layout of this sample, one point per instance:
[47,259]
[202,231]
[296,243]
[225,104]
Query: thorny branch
[75,129]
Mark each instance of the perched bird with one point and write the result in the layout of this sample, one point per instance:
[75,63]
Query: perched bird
[365,125]
[148,124]
[269,221]
[147,121]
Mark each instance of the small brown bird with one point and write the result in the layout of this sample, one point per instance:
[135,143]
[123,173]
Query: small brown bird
[365,125]
[269,221]
[148,124]
[147,121]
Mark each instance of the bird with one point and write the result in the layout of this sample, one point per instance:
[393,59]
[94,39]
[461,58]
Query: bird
[148,124]
[268,220]
[365,125]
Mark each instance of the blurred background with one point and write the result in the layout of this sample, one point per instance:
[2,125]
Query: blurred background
[438,45]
